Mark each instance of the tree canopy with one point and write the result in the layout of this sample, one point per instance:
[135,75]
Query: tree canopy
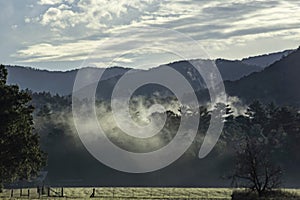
[20,153]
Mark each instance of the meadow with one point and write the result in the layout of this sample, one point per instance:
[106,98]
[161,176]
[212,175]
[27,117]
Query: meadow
[128,193]
[123,193]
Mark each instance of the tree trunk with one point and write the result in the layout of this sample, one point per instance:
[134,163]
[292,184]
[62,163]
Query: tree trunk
[260,193]
[1,187]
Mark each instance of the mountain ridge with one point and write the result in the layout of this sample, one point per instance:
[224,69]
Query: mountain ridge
[266,60]
[277,83]
[61,82]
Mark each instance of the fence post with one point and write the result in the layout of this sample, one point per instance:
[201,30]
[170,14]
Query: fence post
[93,194]
[62,192]
[43,189]
[21,192]
[48,192]
[38,189]
[12,193]
[28,193]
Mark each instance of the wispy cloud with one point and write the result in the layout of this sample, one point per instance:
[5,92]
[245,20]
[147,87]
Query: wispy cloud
[49,2]
[68,30]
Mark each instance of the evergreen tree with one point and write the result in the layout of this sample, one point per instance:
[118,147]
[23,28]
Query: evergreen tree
[20,153]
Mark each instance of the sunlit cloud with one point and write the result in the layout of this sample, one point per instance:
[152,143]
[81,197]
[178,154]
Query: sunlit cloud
[68,30]
[49,2]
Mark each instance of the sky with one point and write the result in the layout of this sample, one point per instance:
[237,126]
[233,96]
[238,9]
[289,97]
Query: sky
[61,34]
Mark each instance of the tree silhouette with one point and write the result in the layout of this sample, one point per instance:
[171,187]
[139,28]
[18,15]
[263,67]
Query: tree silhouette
[254,168]
[261,131]
[20,154]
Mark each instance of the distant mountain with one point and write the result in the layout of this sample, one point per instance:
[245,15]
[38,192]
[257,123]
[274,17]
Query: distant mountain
[62,82]
[230,70]
[52,81]
[234,70]
[267,59]
[278,83]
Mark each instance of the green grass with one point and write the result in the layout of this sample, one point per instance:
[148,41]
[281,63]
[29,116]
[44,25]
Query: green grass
[132,193]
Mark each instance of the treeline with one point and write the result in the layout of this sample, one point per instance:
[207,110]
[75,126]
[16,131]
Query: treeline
[278,127]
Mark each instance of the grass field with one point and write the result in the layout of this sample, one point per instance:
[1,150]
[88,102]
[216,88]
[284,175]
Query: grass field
[128,193]
[125,193]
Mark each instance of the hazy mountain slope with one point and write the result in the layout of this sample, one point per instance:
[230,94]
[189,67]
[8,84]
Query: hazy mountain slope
[234,70]
[278,83]
[62,82]
[230,70]
[267,59]
[51,81]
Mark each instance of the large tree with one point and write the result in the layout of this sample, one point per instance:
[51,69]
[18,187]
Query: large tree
[20,155]
[254,168]
[256,148]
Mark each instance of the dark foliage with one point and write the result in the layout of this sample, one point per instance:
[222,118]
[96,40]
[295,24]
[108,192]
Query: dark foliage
[20,153]
[254,168]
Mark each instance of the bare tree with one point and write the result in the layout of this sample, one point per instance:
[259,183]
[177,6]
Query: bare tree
[254,168]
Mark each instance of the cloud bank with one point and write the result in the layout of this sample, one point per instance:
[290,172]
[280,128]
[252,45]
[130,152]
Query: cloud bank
[68,30]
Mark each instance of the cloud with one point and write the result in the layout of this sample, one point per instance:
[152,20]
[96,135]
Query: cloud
[134,47]
[59,18]
[69,1]
[224,28]
[49,2]
[95,14]
[46,51]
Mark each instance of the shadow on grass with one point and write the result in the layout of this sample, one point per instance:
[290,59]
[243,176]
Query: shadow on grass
[270,195]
